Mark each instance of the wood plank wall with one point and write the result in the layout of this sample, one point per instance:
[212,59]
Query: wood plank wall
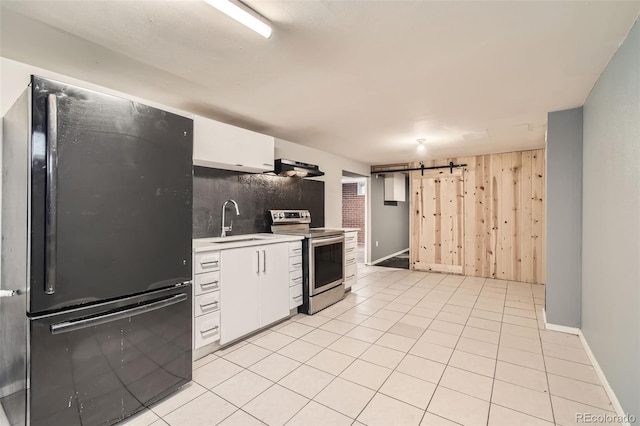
[503,215]
[438,221]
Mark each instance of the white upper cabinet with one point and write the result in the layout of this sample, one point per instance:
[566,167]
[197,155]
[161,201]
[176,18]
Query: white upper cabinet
[223,146]
[395,187]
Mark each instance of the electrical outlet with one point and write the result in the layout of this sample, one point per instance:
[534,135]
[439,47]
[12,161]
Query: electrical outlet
[376,244]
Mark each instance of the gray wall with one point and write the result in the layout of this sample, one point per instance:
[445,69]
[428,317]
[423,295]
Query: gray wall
[389,224]
[611,222]
[564,217]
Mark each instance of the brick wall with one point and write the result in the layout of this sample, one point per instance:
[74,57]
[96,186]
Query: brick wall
[353,209]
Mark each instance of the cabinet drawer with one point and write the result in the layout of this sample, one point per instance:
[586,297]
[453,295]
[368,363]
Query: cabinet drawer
[295,249]
[206,303]
[350,272]
[295,263]
[349,283]
[296,296]
[205,262]
[205,283]
[206,329]
[351,237]
[350,260]
[295,278]
[350,251]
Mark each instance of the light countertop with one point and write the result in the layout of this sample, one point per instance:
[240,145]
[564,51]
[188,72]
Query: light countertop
[343,229]
[237,241]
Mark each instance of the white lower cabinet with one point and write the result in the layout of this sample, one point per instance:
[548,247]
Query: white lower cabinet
[295,292]
[206,298]
[204,283]
[274,284]
[254,288]
[295,274]
[350,258]
[207,303]
[206,329]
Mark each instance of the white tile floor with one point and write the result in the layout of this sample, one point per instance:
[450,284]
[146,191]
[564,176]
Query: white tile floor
[404,348]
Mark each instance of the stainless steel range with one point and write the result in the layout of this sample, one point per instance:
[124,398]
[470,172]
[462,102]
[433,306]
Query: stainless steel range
[323,258]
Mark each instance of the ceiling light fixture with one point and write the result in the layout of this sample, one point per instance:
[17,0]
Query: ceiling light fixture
[421,146]
[243,14]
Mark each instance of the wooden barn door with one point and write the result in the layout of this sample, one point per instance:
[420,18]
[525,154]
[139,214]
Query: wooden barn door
[437,234]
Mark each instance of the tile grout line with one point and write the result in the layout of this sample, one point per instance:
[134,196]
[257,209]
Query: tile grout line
[380,290]
[355,358]
[394,369]
[336,376]
[407,352]
[449,359]
[272,352]
[544,363]
[495,368]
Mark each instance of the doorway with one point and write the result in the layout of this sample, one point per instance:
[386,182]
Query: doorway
[354,208]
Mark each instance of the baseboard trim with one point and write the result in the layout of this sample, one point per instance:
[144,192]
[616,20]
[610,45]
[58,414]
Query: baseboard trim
[596,366]
[607,387]
[560,328]
[382,259]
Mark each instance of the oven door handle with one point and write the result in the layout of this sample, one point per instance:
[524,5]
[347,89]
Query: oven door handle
[317,242]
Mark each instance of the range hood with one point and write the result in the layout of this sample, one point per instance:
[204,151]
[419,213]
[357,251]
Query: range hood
[290,168]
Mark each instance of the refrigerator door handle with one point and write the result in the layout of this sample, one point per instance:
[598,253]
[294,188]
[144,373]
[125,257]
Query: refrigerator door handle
[74,325]
[52,194]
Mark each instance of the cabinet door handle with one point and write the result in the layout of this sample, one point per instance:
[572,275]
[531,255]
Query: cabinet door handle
[264,261]
[297,250]
[297,298]
[296,264]
[297,280]
[214,283]
[258,270]
[209,330]
[206,305]
[351,276]
[211,262]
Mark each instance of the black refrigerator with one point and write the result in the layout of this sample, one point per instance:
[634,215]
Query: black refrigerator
[95,313]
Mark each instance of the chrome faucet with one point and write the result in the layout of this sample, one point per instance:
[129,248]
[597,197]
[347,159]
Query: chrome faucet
[230,227]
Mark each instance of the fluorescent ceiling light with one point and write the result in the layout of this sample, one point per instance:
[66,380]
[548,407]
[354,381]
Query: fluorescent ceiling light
[243,14]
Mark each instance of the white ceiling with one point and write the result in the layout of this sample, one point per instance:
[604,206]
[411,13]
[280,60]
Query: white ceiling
[363,79]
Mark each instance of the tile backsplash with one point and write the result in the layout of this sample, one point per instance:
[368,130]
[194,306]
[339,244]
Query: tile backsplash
[255,194]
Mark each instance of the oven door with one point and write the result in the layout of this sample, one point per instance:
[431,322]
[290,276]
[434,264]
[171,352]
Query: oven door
[326,264]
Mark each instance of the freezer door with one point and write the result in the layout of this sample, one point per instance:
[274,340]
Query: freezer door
[111,197]
[98,365]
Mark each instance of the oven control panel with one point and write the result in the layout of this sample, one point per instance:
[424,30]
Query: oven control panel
[290,216]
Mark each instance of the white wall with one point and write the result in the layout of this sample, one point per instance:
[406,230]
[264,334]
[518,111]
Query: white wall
[14,77]
[332,165]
